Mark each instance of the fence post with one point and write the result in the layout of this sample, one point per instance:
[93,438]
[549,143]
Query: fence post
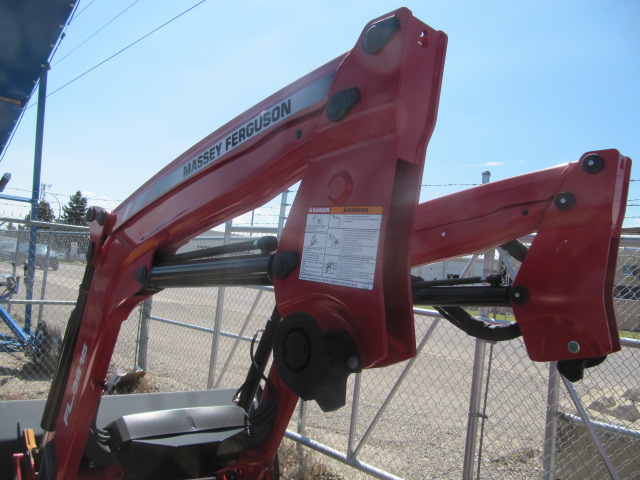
[577,402]
[551,425]
[474,410]
[283,209]
[43,288]
[478,373]
[302,429]
[355,407]
[143,335]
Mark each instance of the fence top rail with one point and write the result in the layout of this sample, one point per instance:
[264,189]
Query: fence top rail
[61,226]
[630,241]
[630,342]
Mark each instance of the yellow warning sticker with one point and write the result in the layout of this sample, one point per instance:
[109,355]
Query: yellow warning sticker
[341,245]
[377,210]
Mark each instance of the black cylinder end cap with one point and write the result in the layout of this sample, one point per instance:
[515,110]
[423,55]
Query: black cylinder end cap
[267,244]
[283,264]
[141,275]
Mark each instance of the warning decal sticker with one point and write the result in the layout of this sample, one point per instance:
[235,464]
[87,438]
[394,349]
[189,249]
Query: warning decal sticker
[341,246]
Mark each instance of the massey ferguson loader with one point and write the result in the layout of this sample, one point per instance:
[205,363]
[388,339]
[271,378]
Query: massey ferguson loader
[354,133]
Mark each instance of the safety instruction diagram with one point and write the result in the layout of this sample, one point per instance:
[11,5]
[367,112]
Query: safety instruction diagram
[341,245]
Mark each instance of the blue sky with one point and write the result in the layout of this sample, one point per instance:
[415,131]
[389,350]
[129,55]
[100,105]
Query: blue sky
[527,85]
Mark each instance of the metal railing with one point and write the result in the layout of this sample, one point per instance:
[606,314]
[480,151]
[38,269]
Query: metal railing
[350,454]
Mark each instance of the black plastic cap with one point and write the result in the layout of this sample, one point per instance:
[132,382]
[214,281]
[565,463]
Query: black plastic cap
[96,214]
[267,244]
[573,370]
[91,214]
[283,264]
[101,217]
[593,163]
[341,103]
[379,35]
[565,201]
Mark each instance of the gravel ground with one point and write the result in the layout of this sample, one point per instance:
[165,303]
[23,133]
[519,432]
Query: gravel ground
[420,434]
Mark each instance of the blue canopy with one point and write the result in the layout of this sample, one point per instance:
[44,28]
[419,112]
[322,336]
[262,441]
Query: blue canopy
[29,31]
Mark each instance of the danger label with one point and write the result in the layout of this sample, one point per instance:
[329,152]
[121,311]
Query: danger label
[341,245]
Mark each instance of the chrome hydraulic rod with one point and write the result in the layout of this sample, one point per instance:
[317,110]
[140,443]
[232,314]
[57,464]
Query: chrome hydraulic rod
[227,271]
[264,244]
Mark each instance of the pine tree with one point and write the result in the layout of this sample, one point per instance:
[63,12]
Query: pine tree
[75,212]
[45,212]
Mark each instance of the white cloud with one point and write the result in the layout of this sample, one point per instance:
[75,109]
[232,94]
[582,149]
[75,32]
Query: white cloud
[486,164]
[94,195]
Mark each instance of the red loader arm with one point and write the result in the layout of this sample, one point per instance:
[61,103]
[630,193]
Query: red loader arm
[562,296]
[354,132]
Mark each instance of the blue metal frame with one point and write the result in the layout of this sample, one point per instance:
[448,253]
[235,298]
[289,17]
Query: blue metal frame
[40,23]
[35,196]
[21,337]
[33,29]
[34,200]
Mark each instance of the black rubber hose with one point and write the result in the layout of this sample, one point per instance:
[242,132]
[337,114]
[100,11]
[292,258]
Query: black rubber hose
[479,328]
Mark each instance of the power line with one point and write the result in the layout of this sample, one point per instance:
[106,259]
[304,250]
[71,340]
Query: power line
[67,195]
[126,48]
[37,82]
[96,32]
[75,15]
[80,12]
[451,185]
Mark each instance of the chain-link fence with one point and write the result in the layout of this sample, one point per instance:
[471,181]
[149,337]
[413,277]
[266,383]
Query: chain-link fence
[40,269]
[461,408]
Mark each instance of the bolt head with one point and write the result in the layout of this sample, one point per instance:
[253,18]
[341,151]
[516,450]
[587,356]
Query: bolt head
[573,346]
[519,295]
